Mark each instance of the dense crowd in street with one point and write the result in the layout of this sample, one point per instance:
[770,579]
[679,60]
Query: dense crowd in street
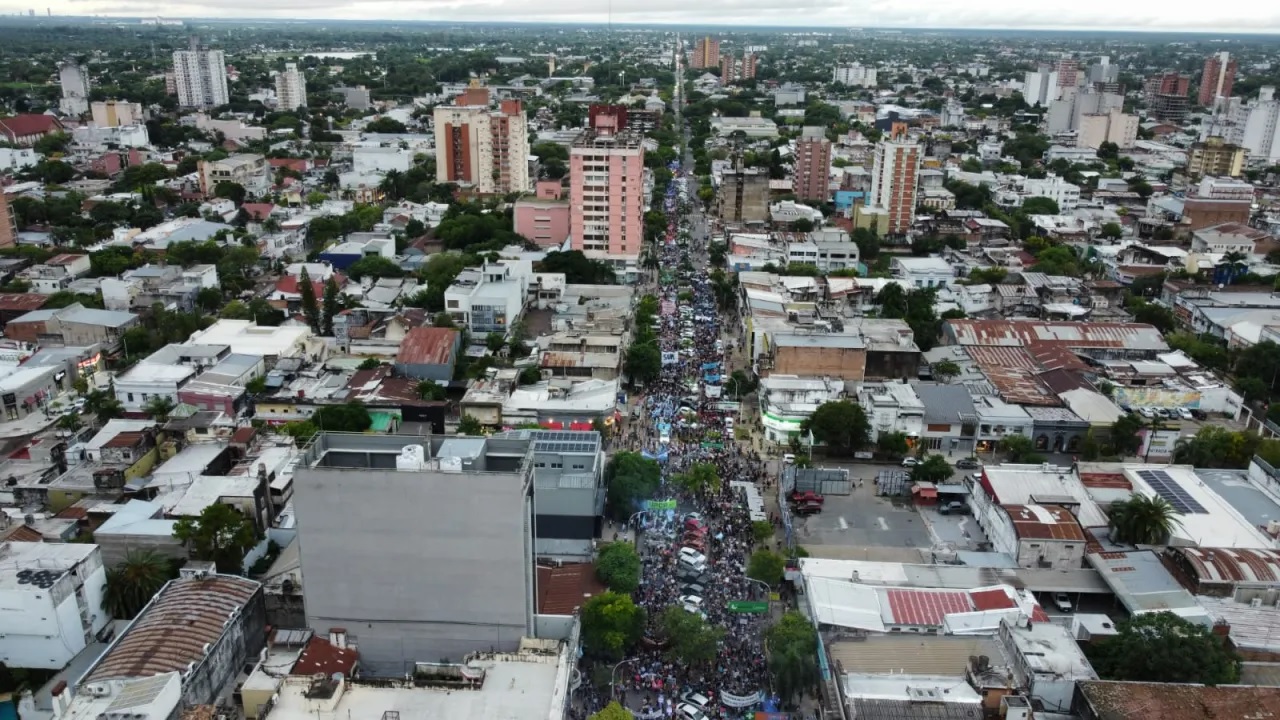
[695,556]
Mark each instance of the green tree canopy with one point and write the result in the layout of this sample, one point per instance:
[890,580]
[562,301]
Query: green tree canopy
[611,624]
[612,711]
[700,478]
[793,655]
[841,425]
[1162,647]
[692,640]
[1142,520]
[132,583]
[348,417]
[221,534]
[618,567]
[630,477]
[1214,446]
[934,469]
[766,566]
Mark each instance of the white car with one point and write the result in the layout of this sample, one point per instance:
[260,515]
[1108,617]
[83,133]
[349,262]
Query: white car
[1185,414]
[689,711]
[910,462]
[691,697]
[788,459]
[1062,602]
[693,557]
[691,600]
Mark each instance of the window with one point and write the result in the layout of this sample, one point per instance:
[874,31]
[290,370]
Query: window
[577,466]
[130,397]
[557,465]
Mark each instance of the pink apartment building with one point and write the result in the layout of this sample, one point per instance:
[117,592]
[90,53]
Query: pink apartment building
[813,165]
[606,196]
[544,216]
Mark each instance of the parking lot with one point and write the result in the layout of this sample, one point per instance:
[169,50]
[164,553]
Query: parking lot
[863,519]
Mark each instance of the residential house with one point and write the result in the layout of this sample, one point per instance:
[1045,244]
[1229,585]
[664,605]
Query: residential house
[489,298]
[429,353]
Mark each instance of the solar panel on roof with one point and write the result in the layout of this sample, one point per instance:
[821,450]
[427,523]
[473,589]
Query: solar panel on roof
[1173,493]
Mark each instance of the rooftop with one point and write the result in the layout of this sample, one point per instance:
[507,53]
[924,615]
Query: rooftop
[1044,522]
[1143,584]
[247,338]
[174,629]
[1010,484]
[912,654]
[33,565]
[1111,700]
[427,346]
[1214,566]
[1204,518]
[1074,335]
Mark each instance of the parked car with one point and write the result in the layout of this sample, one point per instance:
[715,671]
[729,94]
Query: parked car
[693,588]
[968,464]
[692,556]
[1185,414]
[910,462]
[807,496]
[808,508]
[955,507]
[692,697]
[688,711]
[788,459]
[1062,602]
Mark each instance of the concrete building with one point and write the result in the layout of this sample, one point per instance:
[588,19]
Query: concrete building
[1065,194]
[203,626]
[380,160]
[855,75]
[1040,87]
[50,602]
[484,149]
[923,272]
[1166,97]
[429,353]
[706,54]
[1214,156]
[543,217]
[74,79]
[291,88]
[114,113]
[8,223]
[1215,201]
[1113,126]
[893,407]
[893,178]
[1045,536]
[1217,79]
[787,401]
[813,165]
[489,298]
[1261,135]
[751,127]
[734,69]
[200,75]
[743,196]
[248,170]
[443,567]
[1045,658]
[606,196]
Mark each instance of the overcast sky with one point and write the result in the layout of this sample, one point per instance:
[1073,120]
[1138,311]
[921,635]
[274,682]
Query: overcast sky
[1260,16]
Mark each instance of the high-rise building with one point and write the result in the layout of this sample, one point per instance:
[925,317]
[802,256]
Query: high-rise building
[607,118]
[1218,78]
[606,195]
[1166,97]
[855,75]
[1215,156]
[813,165]
[1261,133]
[480,147]
[706,54]
[743,196]
[734,69]
[200,76]
[114,113]
[893,178]
[75,88]
[1068,73]
[8,225]
[749,63]
[291,88]
[1113,126]
[1040,87]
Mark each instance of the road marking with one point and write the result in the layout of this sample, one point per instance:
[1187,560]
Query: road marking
[844,524]
[883,524]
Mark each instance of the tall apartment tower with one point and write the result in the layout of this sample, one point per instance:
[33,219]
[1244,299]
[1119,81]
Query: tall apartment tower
[1040,87]
[8,225]
[200,76]
[1068,73]
[291,88]
[706,53]
[893,178]
[606,195]
[1166,97]
[482,148]
[733,69]
[75,88]
[1218,78]
[813,165]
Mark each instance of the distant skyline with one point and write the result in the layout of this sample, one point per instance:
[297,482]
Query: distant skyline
[1081,15]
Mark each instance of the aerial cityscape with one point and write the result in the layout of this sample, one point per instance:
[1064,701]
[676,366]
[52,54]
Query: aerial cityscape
[611,364]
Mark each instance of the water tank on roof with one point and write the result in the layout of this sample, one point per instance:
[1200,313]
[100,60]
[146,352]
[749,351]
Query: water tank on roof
[412,457]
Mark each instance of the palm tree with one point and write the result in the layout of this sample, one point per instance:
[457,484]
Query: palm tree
[1235,262]
[132,583]
[1142,520]
[159,407]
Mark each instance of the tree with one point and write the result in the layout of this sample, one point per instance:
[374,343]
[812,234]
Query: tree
[761,530]
[103,405]
[692,640]
[612,711]
[1162,647]
[892,300]
[1112,231]
[469,425]
[618,567]
[893,444]
[1018,448]
[221,534]
[387,125]
[700,478]
[630,477]
[944,370]
[793,655]
[310,305]
[643,364]
[209,299]
[1142,520]
[330,307]
[431,390]
[132,583]
[934,469]
[766,566]
[369,364]
[1158,316]
[611,624]
[70,421]
[1124,434]
[1214,446]
[1057,260]
[374,266]
[495,341]
[841,425]
[235,192]
[349,417]
[159,407]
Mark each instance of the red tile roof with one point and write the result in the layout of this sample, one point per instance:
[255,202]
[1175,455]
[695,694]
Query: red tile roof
[244,435]
[563,589]
[258,211]
[993,599]
[289,284]
[299,164]
[427,346]
[1044,522]
[926,607]
[24,533]
[20,126]
[321,656]
[26,302]
[1106,480]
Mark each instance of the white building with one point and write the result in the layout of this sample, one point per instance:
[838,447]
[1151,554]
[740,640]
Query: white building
[752,127]
[248,338]
[75,88]
[489,298]
[1113,126]
[829,249]
[855,75]
[1065,194]
[99,137]
[50,602]
[110,113]
[250,171]
[786,401]
[1256,126]
[1040,87]
[923,272]
[380,160]
[1035,535]
[200,75]
[291,88]
[17,158]
[893,408]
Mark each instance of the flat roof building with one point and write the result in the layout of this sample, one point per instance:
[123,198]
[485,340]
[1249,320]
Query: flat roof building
[50,602]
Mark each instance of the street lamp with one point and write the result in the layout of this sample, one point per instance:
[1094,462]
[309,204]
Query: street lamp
[614,673]
[761,583]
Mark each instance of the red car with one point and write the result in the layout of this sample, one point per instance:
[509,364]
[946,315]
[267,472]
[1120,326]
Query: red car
[808,508]
[808,496]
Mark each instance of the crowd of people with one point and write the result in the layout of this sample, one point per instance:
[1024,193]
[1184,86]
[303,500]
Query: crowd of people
[683,422]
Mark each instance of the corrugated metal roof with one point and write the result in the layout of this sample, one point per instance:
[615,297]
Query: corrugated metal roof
[1044,522]
[1228,565]
[912,654]
[1014,373]
[1029,333]
[427,346]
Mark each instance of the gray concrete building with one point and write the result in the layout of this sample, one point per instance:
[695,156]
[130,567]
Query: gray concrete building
[423,548]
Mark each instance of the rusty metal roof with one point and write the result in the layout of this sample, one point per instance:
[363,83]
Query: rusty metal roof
[1115,700]
[1044,522]
[563,589]
[173,630]
[1074,335]
[1230,565]
[427,346]
[1014,373]
[22,301]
